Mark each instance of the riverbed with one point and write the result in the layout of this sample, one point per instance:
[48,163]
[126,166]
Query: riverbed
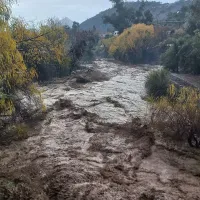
[95,143]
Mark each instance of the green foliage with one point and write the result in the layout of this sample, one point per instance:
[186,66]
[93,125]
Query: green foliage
[157,83]
[159,11]
[125,17]
[194,17]
[170,58]
[75,27]
[183,54]
[179,16]
[81,46]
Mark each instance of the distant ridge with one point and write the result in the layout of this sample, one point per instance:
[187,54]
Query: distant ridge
[159,10]
[66,22]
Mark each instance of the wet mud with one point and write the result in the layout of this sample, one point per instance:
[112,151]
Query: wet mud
[94,144]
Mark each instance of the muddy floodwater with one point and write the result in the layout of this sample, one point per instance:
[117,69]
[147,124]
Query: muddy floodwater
[93,144]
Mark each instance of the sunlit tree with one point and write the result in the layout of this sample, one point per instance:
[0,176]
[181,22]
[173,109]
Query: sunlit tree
[133,44]
[42,48]
[14,76]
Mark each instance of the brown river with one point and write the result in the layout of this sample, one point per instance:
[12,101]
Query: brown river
[93,144]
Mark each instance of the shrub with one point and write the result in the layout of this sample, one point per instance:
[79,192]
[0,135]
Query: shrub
[179,113]
[157,83]
[21,130]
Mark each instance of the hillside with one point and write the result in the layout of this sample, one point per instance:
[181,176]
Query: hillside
[159,11]
[66,22]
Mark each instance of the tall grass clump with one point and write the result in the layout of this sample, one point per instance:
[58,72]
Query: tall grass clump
[157,83]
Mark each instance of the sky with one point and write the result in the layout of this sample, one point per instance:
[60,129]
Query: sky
[76,10]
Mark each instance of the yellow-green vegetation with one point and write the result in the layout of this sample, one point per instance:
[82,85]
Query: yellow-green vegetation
[178,112]
[132,38]
[27,54]
[14,75]
[43,48]
[133,44]
[5,10]
[21,130]
[107,43]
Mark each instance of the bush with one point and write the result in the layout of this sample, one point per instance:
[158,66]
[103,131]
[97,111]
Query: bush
[179,113]
[157,83]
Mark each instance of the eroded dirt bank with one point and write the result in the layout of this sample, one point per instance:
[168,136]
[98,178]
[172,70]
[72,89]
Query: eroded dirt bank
[91,145]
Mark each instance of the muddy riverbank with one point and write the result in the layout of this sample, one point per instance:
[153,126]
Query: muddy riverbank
[94,144]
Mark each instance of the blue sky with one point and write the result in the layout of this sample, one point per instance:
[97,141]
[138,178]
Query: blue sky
[76,10]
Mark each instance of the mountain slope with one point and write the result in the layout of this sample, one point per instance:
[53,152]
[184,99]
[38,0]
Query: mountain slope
[159,11]
[66,22]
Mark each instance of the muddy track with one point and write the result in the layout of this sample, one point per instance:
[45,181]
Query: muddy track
[94,144]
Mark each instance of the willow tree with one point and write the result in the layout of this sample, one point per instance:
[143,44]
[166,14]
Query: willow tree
[14,76]
[5,10]
[43,48]
[133,45]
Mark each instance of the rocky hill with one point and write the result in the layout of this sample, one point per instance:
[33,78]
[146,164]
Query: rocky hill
[159,10]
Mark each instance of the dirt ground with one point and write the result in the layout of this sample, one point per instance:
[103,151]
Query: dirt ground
[94,144]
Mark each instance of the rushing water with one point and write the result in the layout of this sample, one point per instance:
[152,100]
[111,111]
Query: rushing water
[126,86]
[88,147]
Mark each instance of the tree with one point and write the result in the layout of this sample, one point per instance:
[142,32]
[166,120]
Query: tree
[14,76]
[81,46]
[124,17]
[170,59]
[183,54]
[75,27]
[194,17]
[179,16]
[5,10]
[133,45]
[42,48]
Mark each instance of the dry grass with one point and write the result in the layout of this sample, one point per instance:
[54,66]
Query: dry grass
[178,112]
